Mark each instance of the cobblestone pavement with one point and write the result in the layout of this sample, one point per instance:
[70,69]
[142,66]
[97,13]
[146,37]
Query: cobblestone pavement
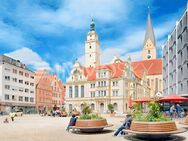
[36,128]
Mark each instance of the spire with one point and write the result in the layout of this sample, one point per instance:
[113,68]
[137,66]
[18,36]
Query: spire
[149,30]
[92,25]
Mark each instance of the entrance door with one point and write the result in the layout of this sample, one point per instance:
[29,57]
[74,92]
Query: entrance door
[102,108]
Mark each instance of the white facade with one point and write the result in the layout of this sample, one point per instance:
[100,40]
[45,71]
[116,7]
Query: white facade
[17,86]
[92,56]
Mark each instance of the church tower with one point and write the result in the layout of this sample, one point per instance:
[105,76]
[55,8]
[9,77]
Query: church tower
[149,50]
[92,49]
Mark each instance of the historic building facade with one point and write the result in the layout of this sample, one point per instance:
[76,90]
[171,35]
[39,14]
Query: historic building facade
[49,90]
[17,86]
[115,83]
[175,59]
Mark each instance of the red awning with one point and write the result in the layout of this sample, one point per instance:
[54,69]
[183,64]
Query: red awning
[174,98]
[143,100]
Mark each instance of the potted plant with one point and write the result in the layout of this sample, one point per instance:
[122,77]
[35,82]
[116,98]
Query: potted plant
[89,122]
[111,109]
[63,112]
[151,121]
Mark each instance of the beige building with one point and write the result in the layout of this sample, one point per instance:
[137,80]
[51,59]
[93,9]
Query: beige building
[115,83]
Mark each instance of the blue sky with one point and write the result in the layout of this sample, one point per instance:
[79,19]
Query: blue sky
[50,34]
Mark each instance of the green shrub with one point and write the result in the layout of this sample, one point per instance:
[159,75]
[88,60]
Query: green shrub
[111,108]
[90,116]
[86,109]
[153,115]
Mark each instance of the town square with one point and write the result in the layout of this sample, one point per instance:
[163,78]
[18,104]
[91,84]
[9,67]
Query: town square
[93,70]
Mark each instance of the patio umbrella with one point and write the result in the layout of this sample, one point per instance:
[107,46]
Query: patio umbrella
[143,100]
[173,98]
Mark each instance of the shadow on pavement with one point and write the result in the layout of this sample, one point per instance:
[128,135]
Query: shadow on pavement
[105,131]
[170,138]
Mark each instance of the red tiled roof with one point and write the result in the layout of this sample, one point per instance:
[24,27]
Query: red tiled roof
[150,67]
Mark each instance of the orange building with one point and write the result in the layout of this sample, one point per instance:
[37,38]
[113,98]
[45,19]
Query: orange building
[49,90]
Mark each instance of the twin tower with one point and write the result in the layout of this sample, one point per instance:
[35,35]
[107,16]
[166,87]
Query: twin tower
[92,45]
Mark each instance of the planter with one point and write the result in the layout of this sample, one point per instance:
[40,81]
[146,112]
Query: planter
[91,125]
[153,126]
[186,120]
[112,114]
[76,113]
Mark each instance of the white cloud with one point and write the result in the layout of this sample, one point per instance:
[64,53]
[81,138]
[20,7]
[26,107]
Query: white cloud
[72,14]
[29,57]
[58,67]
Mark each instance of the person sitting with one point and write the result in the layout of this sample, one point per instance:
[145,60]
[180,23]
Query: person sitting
[6,120]
[72,122]
[126,125]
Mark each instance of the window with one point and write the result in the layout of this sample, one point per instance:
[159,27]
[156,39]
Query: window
[13,97]
[31,99]
[32,77]
[82,91]
[26,90]
[7,69]
[181,87]
[7,97]
[26,82]
[14,71]
[21,89]
[181,71]
[20,72]
[70,91]
[21,81]
[90,55]
[90,46]
[7,87]
[31,84]
[148,51]
[26,74]
[26,99]
[14,79]
[20,98]
[31,92]
[76,91]
[104,93]
[7,78]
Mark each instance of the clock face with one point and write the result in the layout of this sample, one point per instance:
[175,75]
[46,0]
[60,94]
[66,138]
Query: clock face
[149,56]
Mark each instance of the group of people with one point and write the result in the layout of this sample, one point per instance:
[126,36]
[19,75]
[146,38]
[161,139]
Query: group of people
[12,116]
[177,111]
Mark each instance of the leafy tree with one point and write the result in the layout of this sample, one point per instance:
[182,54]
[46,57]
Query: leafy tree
[111,108]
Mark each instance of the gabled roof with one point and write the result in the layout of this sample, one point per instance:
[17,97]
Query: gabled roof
[149,67]
[149,31]
[116,70]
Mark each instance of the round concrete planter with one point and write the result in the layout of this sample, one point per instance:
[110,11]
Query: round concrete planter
[186,120]
[153,126]
[75,113]
[91,125]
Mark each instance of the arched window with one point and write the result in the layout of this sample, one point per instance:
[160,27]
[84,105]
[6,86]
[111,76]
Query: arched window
[115,107]
[92,106]
[102,108]
[70,107]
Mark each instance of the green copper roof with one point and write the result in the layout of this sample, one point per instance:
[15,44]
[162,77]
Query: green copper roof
[92,25]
